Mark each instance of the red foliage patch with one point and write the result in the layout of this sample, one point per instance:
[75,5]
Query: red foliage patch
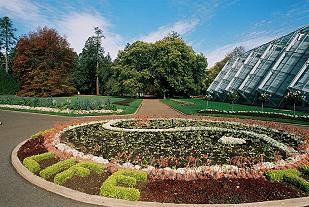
[31,147]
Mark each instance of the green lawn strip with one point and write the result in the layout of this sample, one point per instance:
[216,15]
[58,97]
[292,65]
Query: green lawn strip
[81,169]
[57,168]
[200,104]
[290,121]
[31,163]
[114,185]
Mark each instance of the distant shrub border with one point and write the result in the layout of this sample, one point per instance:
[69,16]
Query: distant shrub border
[56,110]
[257,113]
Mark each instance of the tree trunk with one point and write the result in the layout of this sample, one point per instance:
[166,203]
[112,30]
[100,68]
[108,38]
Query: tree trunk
[294,109]
[262,107]
[6,62]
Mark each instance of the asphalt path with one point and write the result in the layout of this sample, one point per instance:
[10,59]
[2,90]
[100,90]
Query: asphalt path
[14,190]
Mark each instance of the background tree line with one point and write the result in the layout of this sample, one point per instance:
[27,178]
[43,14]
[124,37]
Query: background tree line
[43,64]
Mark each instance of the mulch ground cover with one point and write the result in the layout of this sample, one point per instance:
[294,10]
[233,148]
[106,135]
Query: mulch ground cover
[217,191]
[90,184]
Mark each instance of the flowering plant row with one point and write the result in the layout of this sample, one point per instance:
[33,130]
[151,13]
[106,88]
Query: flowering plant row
[57,110]
[235,166]
[257,113]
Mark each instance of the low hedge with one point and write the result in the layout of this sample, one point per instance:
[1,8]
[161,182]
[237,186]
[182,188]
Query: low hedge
[41,133]
[57,168]
[277,175]
[114,186]
[31,163]
[297,181]
[81,169]
[304,169]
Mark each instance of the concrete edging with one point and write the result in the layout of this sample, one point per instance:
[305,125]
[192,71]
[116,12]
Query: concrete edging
[111,202]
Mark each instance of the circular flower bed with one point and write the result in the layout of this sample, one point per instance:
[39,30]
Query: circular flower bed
[179,143]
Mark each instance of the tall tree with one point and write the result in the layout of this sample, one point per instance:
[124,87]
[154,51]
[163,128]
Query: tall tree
[99,35]
[7,39]
[43,63]
[166,67]
[92,64]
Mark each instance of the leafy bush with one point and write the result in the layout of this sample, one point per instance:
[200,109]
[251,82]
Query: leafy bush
[8,84]
[297,181]
[56,168]
[31,163]
[277,175]
[111,188]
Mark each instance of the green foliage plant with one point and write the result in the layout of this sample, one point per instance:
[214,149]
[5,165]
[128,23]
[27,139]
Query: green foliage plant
[277,175]
[81,169]
[57,168]
[297,181]
[120,185]
[41,133]
[304,169]
[31,163]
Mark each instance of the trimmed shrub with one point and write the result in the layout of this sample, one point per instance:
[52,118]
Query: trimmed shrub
[99,169]
[111,188]
[304,169]
[41,133]
[31,163]
[57,168]
[69,173]
[277,175]
[81,169]
[297,181]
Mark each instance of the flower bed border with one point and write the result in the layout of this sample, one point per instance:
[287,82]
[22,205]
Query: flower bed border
[56,110]
[213,170]
[256,113]
[111,202]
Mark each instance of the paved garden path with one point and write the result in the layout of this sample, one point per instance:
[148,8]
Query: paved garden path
[154,108]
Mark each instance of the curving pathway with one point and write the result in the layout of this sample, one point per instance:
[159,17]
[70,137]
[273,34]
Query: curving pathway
[16,127]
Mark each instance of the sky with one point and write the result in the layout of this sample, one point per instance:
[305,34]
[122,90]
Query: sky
[211,27]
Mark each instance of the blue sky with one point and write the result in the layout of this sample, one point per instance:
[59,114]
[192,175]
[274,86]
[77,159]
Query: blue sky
[212,27]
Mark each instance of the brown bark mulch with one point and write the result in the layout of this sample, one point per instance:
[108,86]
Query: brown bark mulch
[218,191]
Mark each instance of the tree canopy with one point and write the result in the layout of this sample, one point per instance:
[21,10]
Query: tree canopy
[166,67]
[7,40]
[43,64]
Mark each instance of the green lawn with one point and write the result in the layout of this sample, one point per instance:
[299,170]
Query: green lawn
[127,109]
[199,104]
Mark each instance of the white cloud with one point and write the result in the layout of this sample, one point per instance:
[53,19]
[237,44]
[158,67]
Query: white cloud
[22,9]
[77,27]
[219,53]
[181,27]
